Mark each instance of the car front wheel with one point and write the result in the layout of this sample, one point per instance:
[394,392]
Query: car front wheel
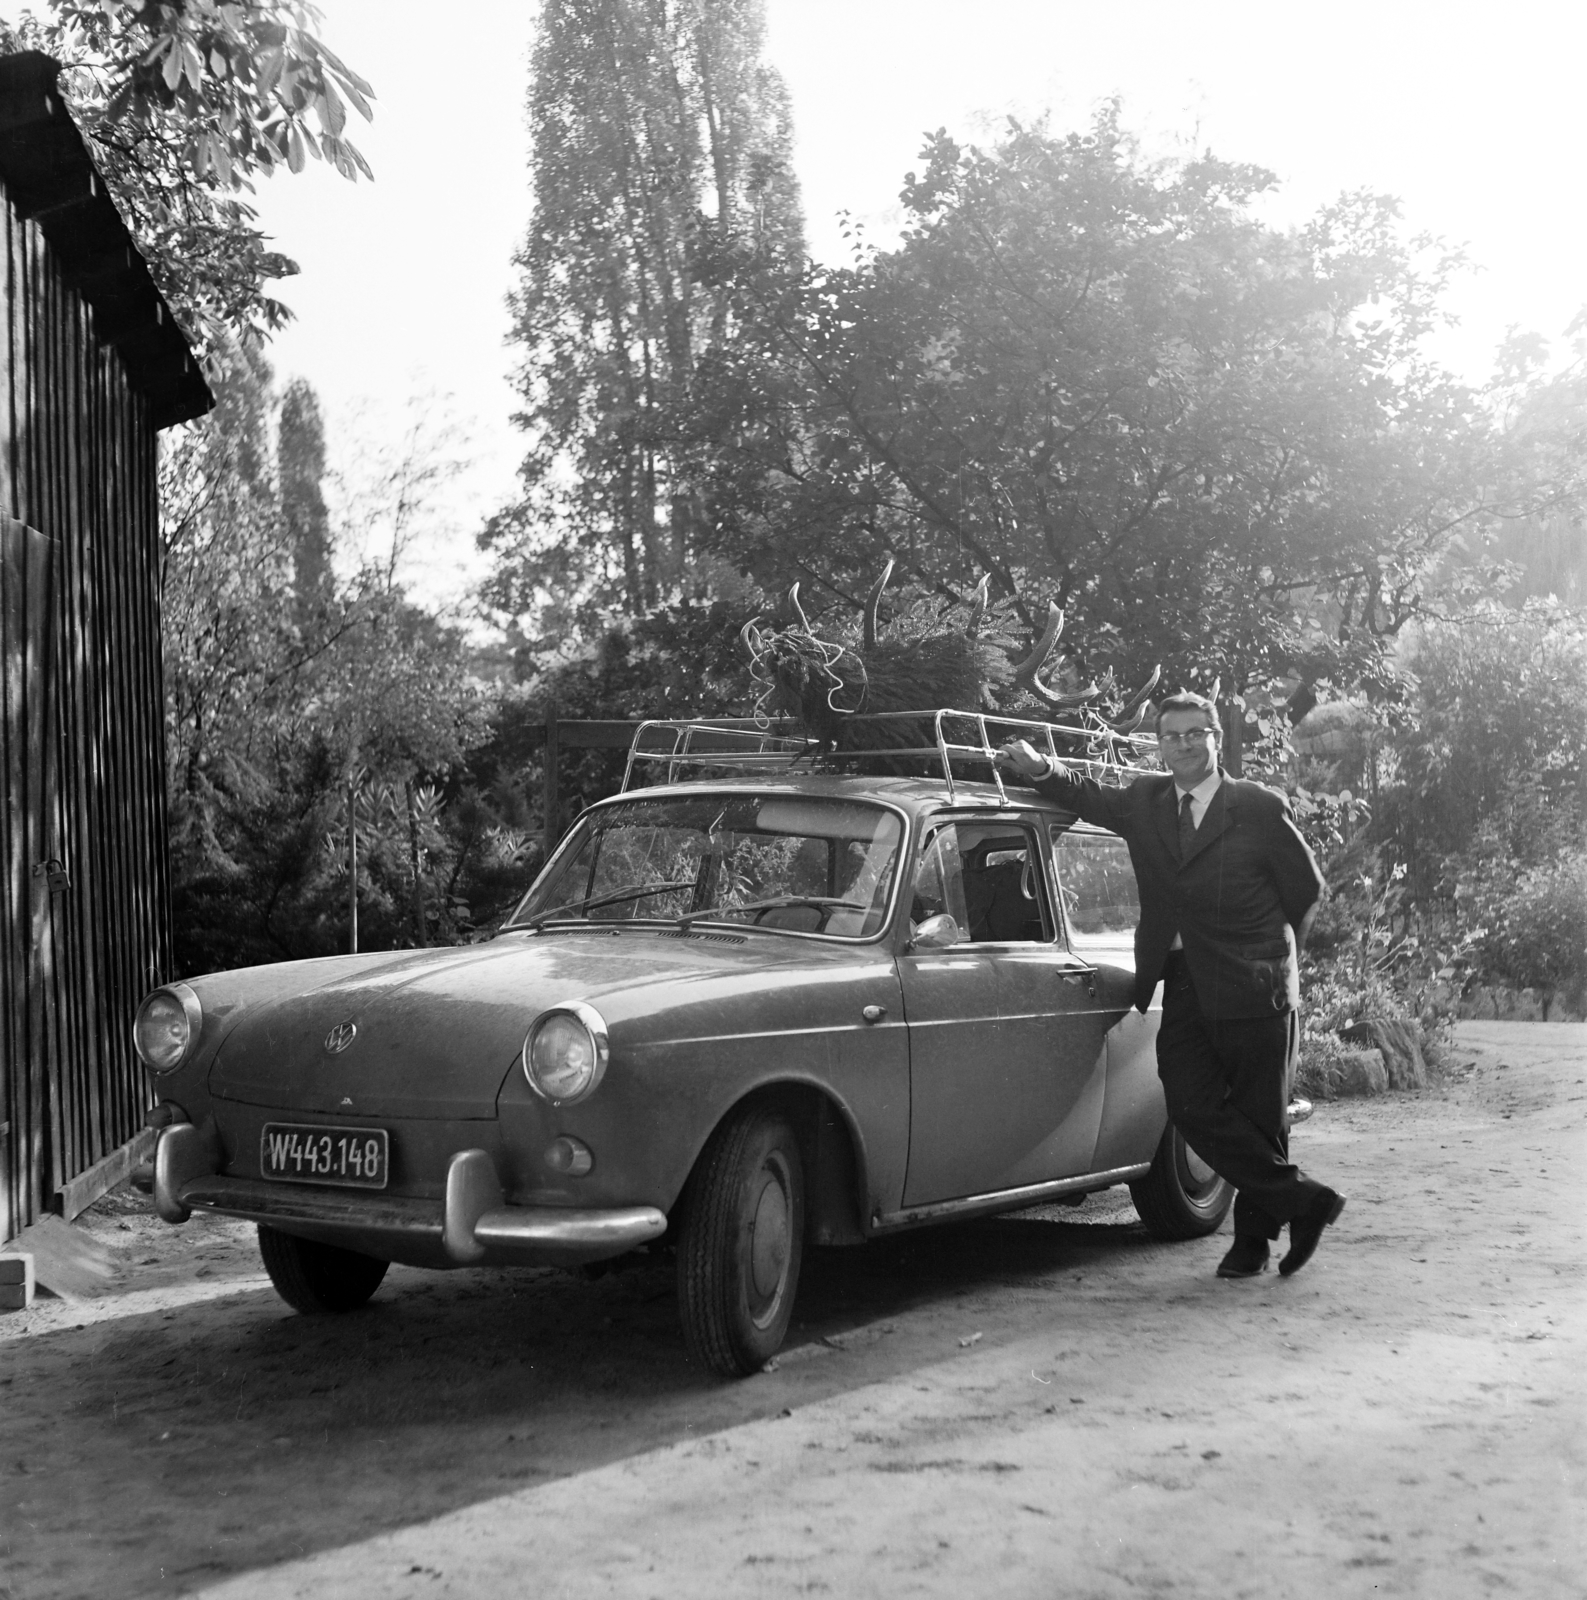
[1181,1197]
[313,1277]
[741,1243]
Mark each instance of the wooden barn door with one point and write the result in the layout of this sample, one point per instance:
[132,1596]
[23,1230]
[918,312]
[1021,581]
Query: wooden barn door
[35,875]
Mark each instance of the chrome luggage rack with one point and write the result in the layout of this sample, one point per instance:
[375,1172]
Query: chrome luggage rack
[740,745]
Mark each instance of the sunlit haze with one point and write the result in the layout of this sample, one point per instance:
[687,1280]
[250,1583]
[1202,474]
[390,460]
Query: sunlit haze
[1470,114]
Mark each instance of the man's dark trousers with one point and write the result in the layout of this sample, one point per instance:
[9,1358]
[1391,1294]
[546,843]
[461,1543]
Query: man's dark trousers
[1229,1097]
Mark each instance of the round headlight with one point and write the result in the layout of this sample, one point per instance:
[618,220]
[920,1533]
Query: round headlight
[167,1027]
[566,1052]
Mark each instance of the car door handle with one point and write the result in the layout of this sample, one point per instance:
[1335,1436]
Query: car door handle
[1089,979]
[874,1013]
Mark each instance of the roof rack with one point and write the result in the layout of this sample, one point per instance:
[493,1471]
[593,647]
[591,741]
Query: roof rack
[936,740]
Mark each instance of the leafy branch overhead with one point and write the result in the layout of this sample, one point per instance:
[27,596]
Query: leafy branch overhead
[186,103]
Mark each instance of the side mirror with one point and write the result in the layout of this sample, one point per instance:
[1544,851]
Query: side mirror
[936,933]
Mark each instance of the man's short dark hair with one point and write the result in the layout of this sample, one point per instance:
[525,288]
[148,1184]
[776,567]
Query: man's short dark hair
[1186,701]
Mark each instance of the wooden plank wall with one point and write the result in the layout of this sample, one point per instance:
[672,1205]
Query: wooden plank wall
[83,730]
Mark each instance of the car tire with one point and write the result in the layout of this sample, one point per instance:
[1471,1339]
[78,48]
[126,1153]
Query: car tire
[313,1277]
[741,1243]
[1181,1197]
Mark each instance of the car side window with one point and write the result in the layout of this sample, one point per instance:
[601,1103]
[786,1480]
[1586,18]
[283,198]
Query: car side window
[987,876]
[939,882]
[1096,883]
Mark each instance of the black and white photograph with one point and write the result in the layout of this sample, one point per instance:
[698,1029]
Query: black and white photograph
[795,800]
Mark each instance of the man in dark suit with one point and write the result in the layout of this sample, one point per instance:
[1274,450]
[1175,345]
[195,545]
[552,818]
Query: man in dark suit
[1228,889]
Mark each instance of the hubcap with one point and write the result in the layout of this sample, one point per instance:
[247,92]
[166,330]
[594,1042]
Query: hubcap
[1196,1169]
[768,1237]
[1201,1184]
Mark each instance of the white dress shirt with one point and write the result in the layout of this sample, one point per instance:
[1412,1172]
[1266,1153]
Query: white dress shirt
[1200,796]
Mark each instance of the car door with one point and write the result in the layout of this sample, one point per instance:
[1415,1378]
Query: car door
[1101,905]
[1006,1032]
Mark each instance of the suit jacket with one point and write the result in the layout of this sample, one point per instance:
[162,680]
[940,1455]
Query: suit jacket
[1235,901]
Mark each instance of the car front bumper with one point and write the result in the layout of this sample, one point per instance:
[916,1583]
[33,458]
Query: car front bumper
[471,1226]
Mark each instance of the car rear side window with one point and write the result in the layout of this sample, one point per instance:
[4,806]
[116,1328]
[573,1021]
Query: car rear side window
[1096,882]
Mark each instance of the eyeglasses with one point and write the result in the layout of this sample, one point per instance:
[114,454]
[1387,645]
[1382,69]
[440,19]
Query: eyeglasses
[1191,736]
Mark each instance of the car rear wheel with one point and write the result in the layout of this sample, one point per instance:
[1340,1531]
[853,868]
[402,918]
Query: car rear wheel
[313,1277]
[1181,1197]
[741,1243]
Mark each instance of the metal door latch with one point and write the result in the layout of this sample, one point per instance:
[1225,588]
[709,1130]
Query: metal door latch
[874,1013]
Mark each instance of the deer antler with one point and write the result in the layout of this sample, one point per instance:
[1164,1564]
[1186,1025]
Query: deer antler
[980,599]
[1132,723]
[1137,701]
[799,610]
[873,603]
[1028,672]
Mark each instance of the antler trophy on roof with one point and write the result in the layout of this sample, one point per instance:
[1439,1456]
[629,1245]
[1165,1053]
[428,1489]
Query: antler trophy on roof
[961,655]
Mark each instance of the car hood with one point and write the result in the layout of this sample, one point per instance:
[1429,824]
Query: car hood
[437,1031]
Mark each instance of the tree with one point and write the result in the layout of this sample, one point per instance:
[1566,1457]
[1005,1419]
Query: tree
[301,458]
[1104,381]
[184,103]
[661,159]
[1489,774]
[278,711]
[1544,412]
[226,593]
[1537,933]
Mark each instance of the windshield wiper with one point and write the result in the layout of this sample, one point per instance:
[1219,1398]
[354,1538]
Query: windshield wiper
[722,912]
[637,891]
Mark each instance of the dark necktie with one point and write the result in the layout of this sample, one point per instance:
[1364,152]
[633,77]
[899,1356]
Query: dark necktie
[1187,827]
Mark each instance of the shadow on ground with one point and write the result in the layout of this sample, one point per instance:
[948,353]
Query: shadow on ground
[155,1453]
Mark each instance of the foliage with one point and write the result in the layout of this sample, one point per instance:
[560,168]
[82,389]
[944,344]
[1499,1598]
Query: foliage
[1104,381]
[226,589]
[1536,934]
[292,695]
[661,156]
[1337,994]
[1544,415]
[682,660]
[184,103]
[250,881]
[300,468]
[1490,770]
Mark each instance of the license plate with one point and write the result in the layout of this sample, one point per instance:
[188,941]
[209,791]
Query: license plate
[356,1158]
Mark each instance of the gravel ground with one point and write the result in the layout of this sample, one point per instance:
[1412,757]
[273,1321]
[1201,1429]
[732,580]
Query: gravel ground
[1045,1404]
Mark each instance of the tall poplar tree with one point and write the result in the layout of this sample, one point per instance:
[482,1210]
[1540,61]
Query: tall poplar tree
[661,162]
[300,465]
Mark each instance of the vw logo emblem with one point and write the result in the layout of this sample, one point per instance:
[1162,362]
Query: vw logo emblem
[338,1039]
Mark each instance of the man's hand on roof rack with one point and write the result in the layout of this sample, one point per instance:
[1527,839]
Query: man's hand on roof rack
[1022,757]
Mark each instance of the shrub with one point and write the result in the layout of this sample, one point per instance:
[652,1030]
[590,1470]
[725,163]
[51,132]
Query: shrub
[1537,936]
[1321,1066]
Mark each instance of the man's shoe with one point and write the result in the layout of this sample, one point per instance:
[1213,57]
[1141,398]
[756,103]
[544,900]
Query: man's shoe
[1247,1256]
[1306,1230]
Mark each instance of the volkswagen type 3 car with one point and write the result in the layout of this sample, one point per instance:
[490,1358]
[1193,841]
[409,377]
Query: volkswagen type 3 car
[736,1016]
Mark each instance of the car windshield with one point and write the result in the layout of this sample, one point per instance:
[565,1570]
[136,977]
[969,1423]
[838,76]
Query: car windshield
[790,862]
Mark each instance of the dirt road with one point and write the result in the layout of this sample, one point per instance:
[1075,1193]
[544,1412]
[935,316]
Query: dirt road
[1043,1405]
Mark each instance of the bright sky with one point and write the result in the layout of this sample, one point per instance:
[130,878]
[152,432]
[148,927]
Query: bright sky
[1470,113]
